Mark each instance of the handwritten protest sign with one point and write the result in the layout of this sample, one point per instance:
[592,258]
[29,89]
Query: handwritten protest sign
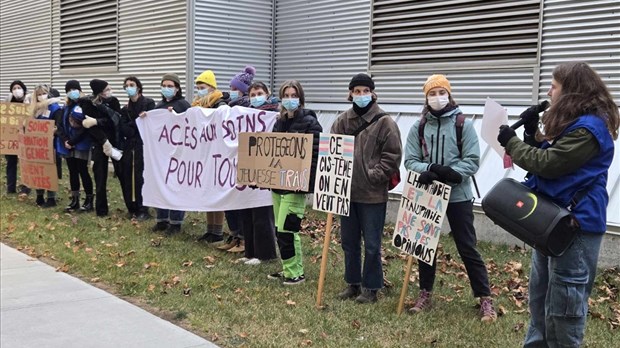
[190,159]
[275,160]
[420,215]
[12,117]
[36,155]
[332,186]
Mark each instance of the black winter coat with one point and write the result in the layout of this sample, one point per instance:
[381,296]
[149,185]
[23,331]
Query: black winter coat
[129,114]
[304,122]
[179,105]
[108,119]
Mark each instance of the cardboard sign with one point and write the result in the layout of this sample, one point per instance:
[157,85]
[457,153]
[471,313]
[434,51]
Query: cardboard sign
[36,144]
[420,215]
[275,160]
[332,185]
[36,155]
[12,117]
[190,159]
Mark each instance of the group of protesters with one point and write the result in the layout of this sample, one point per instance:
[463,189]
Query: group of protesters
[575,144]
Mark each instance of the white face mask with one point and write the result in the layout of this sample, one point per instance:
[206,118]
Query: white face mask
[42,98]
[18,93]
[438,102]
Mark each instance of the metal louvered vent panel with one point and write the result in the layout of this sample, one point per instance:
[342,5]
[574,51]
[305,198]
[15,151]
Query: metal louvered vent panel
[151,42]
[582,30]
[322,44]
[94,22]
[231,35]
[25,42]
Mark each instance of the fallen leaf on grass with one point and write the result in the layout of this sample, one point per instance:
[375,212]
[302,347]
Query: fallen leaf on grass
[243,335]
[88,250]
[151,287]
[518,327]
[215,337]
[187,263]
[94,280]
[306,342]
[63,268]
[120,264]
[209,259]
[32,226]
[501,310]
[291,302]
[356,324]
[304,331]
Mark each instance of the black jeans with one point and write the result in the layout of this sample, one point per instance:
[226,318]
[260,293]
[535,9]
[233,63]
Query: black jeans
[232,219]
[100,172]
[131,179]
[461,218]
[259,231]
[11,173]
[78,168]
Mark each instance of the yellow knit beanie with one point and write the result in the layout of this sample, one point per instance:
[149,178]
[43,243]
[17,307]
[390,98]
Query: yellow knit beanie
[436,81]
[207,77]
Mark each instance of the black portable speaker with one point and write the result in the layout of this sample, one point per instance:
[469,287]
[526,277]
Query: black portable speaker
[530,216]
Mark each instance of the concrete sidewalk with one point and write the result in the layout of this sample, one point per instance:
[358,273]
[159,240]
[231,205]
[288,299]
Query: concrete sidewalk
[43,308]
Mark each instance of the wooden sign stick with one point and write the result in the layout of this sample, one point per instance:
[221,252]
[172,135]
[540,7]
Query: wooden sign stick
[403,292]
[326,242]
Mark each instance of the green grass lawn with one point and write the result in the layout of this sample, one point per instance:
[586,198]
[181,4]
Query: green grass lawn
[233,305]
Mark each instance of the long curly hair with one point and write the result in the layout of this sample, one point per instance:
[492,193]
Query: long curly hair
[582,93]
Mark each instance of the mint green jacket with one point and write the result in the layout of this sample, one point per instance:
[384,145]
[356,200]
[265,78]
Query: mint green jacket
[440,136]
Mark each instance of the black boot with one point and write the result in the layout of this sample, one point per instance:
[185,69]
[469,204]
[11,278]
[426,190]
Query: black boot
[40,200]
[75,202]
[51,202]
[88,204]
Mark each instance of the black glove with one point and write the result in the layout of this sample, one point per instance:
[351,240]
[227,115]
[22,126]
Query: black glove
[530,118]
[505,134]
[426,178]
[446,173]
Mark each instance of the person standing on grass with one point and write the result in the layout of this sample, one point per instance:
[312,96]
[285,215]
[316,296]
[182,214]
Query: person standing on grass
[289,206]
[18,95]
[102,118]
[377,156]
[45,109]
[569,162]
[257,224]
[208,96]
[73,143]
[439,158]
[169,220]
[132,162]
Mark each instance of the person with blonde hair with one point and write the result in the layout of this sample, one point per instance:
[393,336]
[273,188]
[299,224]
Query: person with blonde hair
[569,162]
[45,108]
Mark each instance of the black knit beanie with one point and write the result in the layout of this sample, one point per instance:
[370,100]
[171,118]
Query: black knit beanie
[98,86]
[362,80]
[21,84]
[73,84]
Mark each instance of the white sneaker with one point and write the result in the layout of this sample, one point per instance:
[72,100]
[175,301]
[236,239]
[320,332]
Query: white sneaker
[252,262]
[116,154]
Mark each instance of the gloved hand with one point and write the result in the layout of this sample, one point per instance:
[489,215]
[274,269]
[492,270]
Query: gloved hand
[89,122]
[530,117]
[446,173]
[107,147]
[427,177]
[505,134]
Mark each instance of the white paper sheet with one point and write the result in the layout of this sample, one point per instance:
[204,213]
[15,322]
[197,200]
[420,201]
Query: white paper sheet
[494,116]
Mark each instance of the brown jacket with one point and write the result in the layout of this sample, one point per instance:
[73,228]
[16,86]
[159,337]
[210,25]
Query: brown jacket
[378,152]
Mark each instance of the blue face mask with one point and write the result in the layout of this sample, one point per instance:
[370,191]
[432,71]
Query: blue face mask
[203,92]
[131,91]
[234,95]
[167,92]
[362,100]
[290,104]
[258,101]
[73,95]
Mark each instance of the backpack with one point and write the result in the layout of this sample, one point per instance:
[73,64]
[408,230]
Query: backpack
[459,124]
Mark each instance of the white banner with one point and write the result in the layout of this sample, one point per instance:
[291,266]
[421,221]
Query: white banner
[420,215]
[334,170]
[190,159]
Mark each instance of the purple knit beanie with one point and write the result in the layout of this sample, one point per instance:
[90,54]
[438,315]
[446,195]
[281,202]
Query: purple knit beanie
[243,80]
